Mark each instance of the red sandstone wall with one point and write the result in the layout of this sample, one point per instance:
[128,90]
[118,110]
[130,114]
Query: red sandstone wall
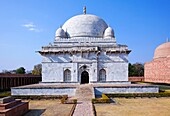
[157,71]
[136,79]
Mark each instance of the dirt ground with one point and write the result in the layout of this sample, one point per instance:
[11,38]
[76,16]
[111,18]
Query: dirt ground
[135,107]
[48,108]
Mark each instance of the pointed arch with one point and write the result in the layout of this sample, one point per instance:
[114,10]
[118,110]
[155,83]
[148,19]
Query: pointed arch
[84,77]
[67,75]
[102,75]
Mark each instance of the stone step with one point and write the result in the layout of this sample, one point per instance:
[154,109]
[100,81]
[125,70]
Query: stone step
[16,110]
[6,99]
[9,104]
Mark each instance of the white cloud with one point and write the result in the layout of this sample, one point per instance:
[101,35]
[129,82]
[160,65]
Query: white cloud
[31,27]
[34,29]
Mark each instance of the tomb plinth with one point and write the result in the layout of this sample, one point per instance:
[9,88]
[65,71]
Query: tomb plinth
[11,107]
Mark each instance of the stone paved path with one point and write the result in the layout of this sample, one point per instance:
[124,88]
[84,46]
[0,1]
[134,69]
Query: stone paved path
[84,94]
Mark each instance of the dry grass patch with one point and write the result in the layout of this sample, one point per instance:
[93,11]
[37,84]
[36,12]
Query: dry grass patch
[135,107]
[48,108]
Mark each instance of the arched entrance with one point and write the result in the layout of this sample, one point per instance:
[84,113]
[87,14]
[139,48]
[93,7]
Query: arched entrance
[84,77]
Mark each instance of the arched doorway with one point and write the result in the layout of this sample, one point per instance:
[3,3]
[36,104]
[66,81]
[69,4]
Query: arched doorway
[84,77]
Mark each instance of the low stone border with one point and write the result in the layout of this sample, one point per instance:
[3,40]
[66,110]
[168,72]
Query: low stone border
[133,95]
[38,97]
[72,110]
[94,110]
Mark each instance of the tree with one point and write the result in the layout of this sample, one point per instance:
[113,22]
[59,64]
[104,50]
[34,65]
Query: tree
[6,72]
[20,70]
[139,69]
[37,69]
[136,69]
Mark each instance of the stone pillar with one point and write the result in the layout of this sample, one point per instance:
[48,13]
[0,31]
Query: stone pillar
[6,83]
[17,81]
[1,83]
[74,73]
[94,72]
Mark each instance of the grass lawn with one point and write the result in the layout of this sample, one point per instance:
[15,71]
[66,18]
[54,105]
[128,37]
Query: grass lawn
[135,107]
[48,108]
[5,94]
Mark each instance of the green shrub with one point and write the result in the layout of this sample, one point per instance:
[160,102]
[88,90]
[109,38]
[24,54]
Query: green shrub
[100,100]
[104,96]
[160,90]
[71,101]
[5,94]
[75,101]
[64,99]
[104,99]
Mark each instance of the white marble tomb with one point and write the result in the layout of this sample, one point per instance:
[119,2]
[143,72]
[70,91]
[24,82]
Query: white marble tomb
[85,51]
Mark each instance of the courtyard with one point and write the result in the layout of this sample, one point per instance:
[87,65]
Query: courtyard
[135,107]
[48,108]
[123,107]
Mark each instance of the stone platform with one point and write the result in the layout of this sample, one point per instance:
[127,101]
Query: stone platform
[11,107]
[45,89]
[124,88]
[70,89]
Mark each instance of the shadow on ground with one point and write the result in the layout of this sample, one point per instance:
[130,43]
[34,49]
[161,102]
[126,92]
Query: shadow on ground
[35,112]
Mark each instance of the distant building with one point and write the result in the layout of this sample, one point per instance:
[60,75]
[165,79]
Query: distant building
[158,70]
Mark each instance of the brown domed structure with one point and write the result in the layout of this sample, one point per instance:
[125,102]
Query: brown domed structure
[162,51]
[158,70]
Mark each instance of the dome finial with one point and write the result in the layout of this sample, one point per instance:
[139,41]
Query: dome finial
[84,10]
[167,39]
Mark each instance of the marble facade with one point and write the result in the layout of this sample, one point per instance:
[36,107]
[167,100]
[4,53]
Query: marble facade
[86,45]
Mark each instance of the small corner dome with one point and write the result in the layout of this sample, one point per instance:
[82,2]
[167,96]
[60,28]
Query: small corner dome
[60,33]
[162,51]
[109,32]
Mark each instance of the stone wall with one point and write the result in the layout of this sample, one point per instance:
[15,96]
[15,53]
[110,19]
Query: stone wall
[126,89]
[136,79]
[115,65]
[43,91]
[158,70]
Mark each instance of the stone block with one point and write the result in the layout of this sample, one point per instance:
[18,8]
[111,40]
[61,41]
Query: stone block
[6,99]
[11,107]
[9,104]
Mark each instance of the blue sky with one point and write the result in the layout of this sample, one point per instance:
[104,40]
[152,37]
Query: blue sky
[26,25]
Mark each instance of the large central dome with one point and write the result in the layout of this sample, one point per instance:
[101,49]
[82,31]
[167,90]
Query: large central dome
[85,26]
